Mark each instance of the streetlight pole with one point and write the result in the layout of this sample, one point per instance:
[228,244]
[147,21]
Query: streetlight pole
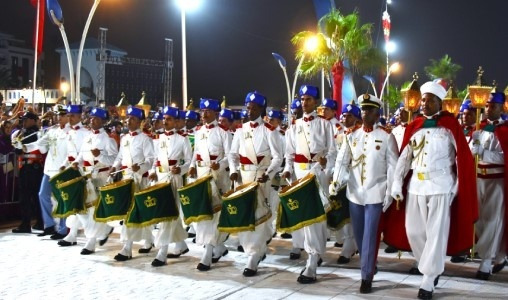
[393,68]
[282,64]
[184,60]
[80,53]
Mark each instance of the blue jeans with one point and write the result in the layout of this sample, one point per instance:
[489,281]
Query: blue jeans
[47,207]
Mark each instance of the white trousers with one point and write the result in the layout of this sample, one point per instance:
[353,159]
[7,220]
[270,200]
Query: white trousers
[427,227]
[347,237]
[490,225]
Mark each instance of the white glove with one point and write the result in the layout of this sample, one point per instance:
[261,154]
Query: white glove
[332,188]
[397,195]
[18,145]
[387,202]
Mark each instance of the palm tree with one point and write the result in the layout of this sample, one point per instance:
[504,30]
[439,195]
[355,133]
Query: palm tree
[443,68]
[342,42]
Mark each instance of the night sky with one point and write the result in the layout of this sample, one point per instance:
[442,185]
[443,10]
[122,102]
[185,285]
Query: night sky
[229,42]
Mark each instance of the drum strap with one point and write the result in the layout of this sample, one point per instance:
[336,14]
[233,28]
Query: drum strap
[302,141]
[203,147]
[127,157]
[248,141]
[164,142]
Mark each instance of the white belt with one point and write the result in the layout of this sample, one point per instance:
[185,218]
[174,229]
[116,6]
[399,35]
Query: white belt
[304,166]
[431,174]
[487,171]
[249,167]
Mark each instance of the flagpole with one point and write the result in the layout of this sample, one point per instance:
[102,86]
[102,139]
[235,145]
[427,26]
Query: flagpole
[34,83]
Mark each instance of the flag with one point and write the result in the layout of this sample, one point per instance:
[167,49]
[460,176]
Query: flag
[39,25]
[386,25]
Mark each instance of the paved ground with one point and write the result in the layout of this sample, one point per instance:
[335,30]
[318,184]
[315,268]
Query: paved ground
[36,268]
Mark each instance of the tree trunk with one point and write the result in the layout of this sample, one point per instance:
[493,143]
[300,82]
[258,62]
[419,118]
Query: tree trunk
[338,77]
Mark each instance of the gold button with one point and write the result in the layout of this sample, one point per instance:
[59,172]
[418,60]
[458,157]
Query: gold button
[364,149]
[364,164]
[426,142]
[425,153]
[424,165]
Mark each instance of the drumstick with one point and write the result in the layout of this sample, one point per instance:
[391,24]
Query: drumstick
[112,173]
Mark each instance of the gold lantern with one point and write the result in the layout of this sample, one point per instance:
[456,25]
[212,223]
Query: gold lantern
[479,94]
[141,104]
[451,101]
[122,106]
[412,96]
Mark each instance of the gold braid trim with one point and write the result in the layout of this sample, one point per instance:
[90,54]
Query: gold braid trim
[151,222]
[200,218]
[301,224]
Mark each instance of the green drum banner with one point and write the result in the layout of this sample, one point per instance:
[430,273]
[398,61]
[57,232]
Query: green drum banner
[338,215]
[239,209]
[65,175]
[300,205]
[72,194]
[115,199]
[196,200]
[153,205]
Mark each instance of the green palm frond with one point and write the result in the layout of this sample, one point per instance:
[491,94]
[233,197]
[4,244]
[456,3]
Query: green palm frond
[442,68]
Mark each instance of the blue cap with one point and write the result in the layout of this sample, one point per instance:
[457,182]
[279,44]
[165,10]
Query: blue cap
[74,109]
[170,111]
[296,103]
[352,109]
[497,98]
[99,113]
[392,120]
[244,113]
[275,114]
[330,103]
[237,115]
[211,104]
[181,114]
[382,121]
[309,90]
[466,105]
[190,114]
[136,112]
[226,113]
[157,116]
[255,97]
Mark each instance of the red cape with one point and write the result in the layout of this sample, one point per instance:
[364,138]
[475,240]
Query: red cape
[464,209]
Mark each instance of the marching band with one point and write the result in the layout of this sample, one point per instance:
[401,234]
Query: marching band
[416,187]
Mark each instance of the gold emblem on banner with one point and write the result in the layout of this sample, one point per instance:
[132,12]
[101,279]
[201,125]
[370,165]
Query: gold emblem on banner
[293,204]
[65,196]
[185,200]
[335,204]
[232,210]
[149,202]
[109,199]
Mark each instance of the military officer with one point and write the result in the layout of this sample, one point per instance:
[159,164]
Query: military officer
[256,153]
[370,154]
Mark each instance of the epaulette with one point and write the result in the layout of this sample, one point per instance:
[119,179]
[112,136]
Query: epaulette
[387,130]
[223,127]
[269,126]
[155,136]
[238,126]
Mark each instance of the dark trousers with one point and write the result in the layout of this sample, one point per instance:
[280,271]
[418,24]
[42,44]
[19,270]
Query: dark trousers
[30,177]
[365,221]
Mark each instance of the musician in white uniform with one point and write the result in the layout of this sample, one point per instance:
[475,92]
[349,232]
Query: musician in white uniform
[310,148]
[173,155]
[53,143]
[75,137]
[212,144]
[135,158]
[97,154]
[256,153]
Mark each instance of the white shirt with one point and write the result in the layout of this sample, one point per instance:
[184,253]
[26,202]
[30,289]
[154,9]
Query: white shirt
[102,142]
[265,141]
[492,152]
[214,139]
[319,138]
[369,158]
[431,152]
[53,143]
[140,151]
[172,146]
[398,133]
[75,137]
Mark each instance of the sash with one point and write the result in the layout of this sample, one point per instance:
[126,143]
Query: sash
[302,141]
[115,199]
[248,142]
[164,141]
[152,205]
